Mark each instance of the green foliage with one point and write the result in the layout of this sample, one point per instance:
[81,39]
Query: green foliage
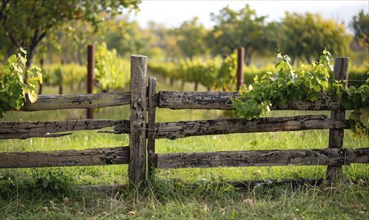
[191,38]
[306,35]
[308,84]
[234,29]
[112,72]
[358,74]
[166,69]
[27,23]
[216,73]
[66,74]
[52,183]
[127,37]
[360,26]
[13,90]
[251,71]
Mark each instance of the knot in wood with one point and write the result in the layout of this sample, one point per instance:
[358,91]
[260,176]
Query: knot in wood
[137,125]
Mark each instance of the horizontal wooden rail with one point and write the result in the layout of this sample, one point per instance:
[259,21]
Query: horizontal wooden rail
[56,102]
[90,157]
[223,101]
[264,158]
[24,130]
[182,129]
[173,130]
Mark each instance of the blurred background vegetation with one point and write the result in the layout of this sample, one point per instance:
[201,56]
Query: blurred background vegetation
[56,35]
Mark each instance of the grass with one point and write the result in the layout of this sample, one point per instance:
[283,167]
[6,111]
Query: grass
[51,193]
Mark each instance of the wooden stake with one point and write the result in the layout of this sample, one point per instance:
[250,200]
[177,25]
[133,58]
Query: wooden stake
[137,136]
[336,135]
[240,58]
[90,75]
[151,126]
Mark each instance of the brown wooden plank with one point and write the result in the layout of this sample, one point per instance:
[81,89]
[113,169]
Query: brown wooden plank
[182,129]
[336,135]
[223,101]
[56,102]
[358,155]
[263,158]
[44,129]
[32,135]
[151,125]
[89,157]
[137,135]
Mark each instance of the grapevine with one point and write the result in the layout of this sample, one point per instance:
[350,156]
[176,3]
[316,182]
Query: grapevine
[112,72]
[308,84]
[13,90]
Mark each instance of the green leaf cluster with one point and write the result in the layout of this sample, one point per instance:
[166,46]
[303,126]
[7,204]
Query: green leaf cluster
[13,90]
[111,71]
[307,83]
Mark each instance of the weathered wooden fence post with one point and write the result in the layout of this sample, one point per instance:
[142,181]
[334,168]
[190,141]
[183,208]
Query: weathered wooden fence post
[336,135]
[90,76]
[151,126]
[240,56]
[61,78]
[137,135]
[40,86]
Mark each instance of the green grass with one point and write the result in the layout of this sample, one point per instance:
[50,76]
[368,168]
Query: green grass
[41,193]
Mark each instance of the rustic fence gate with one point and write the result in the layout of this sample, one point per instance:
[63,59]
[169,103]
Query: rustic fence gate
[142,128]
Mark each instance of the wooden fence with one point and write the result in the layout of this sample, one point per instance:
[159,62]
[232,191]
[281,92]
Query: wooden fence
[143,130]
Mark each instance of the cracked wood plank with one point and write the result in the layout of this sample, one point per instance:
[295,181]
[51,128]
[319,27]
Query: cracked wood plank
[223,101]
[264,158]
[22,130]
[89,157]
[56,102]
[182,129]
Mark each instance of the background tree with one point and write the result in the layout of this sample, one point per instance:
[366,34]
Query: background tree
[306,36]
[360,26]
[191,37]
[127,37]
[27,23]
[165,40]
[235,29]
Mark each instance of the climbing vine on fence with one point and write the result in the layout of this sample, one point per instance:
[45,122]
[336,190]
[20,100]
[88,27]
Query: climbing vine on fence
[308,84]
[13,90]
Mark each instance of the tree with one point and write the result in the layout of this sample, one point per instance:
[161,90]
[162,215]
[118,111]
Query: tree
[127,37]
[27,23]
[360,26]
[235,29]
[165,41]
[306,36]
[191,37]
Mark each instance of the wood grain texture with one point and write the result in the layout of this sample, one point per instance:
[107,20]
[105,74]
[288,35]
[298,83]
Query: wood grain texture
[90,76]
[151,126]
[182,129]
[223,101]
[23,130]
[264,158]
[90,157]
[137,135]
[56,102]
[336,135]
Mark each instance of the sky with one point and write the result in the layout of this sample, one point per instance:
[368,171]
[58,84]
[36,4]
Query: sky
[173,13]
